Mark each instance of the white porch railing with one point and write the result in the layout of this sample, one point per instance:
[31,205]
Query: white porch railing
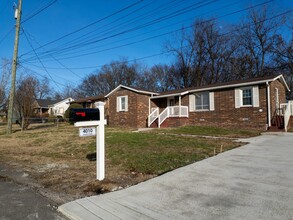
[287,111]
[153,116]
[172,111]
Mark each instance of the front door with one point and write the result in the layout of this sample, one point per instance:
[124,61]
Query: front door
[171,102]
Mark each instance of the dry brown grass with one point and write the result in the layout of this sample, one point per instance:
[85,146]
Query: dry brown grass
[58,159]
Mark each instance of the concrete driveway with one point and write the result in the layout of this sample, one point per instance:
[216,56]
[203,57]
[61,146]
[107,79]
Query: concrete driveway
[251,182]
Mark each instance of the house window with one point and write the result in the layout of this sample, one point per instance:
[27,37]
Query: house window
[202,101]
[122,103]
[247,96]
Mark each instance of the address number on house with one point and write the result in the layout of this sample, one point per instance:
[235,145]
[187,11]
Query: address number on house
[86,132]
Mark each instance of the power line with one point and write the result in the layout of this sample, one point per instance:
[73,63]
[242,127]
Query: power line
[28,18]
[39,58]
[162,53]
[144,16]
[91,24]
[6,35]
[38,74]
[153,37]
[99,28]
[158,29]
[65,67]
[39,11]
[157,20]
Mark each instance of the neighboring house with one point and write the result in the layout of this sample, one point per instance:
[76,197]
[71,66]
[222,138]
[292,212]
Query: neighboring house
[258,103]
[41,107]
[89,102]
[58,109]
[48,107]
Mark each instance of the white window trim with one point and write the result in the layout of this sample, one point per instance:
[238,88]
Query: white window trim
[239,97]
[118,102]
[192,107]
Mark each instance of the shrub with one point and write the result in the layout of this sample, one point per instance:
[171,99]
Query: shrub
[73,105]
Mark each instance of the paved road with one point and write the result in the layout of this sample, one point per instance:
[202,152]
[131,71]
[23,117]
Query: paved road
[18,202]
[251,182]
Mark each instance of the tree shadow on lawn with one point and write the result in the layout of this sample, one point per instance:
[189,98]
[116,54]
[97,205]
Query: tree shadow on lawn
[41,126]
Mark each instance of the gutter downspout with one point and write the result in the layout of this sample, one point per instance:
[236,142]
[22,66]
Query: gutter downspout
[269,104]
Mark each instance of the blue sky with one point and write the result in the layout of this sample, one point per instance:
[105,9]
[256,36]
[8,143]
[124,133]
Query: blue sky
[99,32]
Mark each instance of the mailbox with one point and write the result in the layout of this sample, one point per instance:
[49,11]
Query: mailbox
[84,114]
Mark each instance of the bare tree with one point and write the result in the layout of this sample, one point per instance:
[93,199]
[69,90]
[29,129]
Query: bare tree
[5,75]
[163,77]
[68,91]
[201,54]
[120,72]
[184,51]
[257,38]
[42,88]
[89,86]
[25,99]
[283,62]
[109,77]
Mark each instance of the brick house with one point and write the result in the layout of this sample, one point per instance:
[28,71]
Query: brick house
[254,103]
[128,107]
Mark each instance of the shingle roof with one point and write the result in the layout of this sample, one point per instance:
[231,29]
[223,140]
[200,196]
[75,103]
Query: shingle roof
[90,99]
[235,82]
[44,103]
[182,91]
[222,85]
[132,89]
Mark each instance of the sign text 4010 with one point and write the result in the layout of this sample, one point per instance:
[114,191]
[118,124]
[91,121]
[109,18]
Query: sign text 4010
[85,132]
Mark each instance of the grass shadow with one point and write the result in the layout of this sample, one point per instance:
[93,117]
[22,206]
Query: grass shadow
[92,156]
[41,126]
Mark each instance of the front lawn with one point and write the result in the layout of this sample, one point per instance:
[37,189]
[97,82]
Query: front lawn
[59,160]
[211,131]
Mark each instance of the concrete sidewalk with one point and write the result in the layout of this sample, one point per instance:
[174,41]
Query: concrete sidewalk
[251,182]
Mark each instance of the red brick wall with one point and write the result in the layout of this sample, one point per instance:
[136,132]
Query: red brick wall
[282,94]
[138,109]
[225,113]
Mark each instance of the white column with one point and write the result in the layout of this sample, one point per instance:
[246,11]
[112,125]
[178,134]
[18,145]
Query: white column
[100,145]
[269,104]
[179,105]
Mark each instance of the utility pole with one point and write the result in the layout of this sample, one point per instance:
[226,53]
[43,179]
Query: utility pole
[14,67]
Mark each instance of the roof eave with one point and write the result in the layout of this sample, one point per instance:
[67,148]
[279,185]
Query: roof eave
[283,80]
[131,89]
[224,86]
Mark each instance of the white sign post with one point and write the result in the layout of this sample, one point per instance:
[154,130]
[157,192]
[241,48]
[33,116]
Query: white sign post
[100,139]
